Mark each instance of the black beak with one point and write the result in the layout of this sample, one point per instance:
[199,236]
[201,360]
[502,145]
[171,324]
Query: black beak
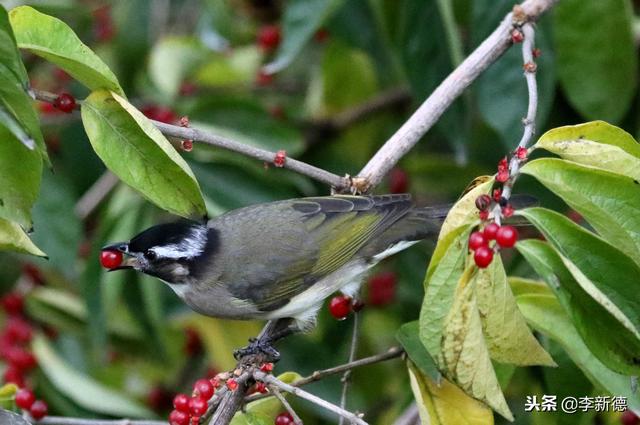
[128,261]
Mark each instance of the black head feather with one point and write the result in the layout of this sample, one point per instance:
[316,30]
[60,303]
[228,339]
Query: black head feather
[162,235]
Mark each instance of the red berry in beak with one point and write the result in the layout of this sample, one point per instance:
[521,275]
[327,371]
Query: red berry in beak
[110,259]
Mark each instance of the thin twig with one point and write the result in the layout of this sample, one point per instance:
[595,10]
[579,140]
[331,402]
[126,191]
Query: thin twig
[528,45]
[448,91]
[392,353]
[410,416]
[95,195]
[389,98]
[298,392]
[346,377]
[59,420]
[277,394]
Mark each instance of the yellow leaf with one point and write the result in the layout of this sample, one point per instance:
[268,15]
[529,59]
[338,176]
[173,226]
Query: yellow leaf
[464,356]
[464,211]
[444,403]
[508,337]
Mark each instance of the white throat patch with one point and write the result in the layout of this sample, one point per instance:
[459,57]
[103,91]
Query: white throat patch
[189,247]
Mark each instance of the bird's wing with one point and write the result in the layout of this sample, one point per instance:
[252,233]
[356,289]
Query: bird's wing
[328,233]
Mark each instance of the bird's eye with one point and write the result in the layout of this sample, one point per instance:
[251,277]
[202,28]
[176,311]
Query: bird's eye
[150,254]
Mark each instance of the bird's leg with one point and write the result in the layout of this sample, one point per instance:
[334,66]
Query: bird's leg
[262,346]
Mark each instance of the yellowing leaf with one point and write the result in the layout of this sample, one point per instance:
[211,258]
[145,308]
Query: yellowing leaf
[464,357]
[443,403]
[13,238]
[464,211]
[597,144]
[440,287]
[508,337]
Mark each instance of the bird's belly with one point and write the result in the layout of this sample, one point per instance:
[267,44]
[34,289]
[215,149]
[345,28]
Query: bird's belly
[305,305]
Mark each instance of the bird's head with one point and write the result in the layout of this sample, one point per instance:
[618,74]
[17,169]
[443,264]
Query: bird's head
[170,252]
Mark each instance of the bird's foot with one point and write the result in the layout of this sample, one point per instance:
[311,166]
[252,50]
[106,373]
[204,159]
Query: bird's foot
[259,350]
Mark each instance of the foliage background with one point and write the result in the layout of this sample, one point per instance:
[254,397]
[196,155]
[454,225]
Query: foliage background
[200,58]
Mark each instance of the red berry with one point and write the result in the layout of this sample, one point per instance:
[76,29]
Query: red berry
[502,176]
[476,240]
[186,145]
[110,259]
[629,418]
[264,79]
[483,256]
[517,36]
[536,52]
[266,367]
[261,387]
[25,398]
[193,344]
[38,410]
[232,384]
[507,211]
[483,215]
[321,35]
[12,303]
[18,329]
[203,388]
[490,231]
[65,102]
[269,37]
[195,420]
[280,158]
[503,165]
[398,181]
[340,306]
[181,403]
[21,358]
[198,406]
[284,418]
[497,194]
[158,398]
[521,152]
[507,236]
[177,417]
[14,375]
[382,288]
[483,202]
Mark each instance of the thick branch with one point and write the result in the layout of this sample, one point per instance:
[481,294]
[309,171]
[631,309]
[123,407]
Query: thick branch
[448,91]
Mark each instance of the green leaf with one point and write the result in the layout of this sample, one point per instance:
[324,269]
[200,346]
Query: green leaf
[80,388]
[301,20]
[409,336]
[464,211]
[443,275]
[172,59]
[140,155]
[596,144]
[464,356]
[443,403]
[20,174]
[9,53]
[599,80]
[602,270]
[543,311]
[13,238]
[508,337]
[609,340]
[53,40]
[609,201]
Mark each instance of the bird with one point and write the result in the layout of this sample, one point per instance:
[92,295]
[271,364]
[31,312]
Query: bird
[279,261]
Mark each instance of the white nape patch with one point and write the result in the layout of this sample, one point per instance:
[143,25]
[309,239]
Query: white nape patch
[189,247]
[400,246]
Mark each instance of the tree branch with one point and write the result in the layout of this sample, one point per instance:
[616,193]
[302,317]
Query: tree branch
[449,90]
[277,394]
[298,392]
[96,194]
[346,377]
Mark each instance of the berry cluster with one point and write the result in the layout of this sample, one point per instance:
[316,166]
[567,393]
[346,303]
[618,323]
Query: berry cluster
[188,410]
[480,242]
[14,340]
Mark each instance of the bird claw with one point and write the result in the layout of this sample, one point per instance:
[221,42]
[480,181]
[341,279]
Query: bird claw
[261,349]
